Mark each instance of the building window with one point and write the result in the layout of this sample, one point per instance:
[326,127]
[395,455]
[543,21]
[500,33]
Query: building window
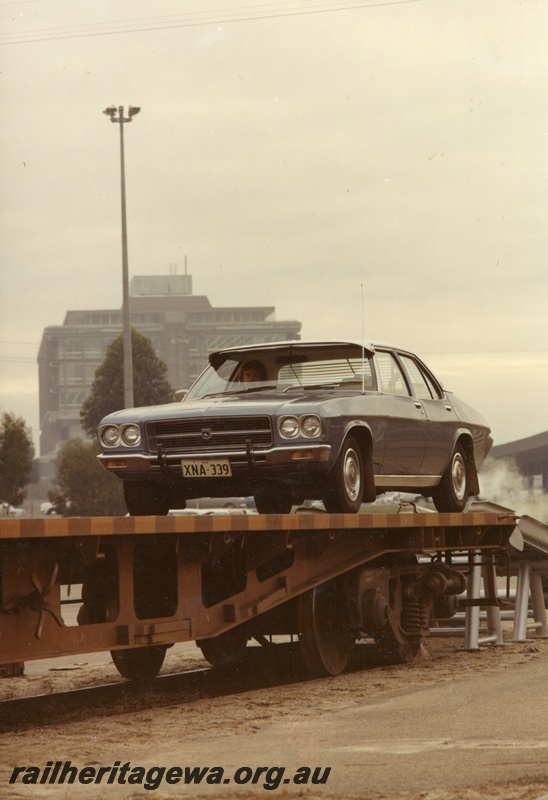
[69,348]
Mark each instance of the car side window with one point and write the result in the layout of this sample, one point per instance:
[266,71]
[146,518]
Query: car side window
[422,387]
[390,374]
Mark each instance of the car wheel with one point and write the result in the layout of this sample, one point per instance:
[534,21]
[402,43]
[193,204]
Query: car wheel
[346,481]
[272,501]
[146,499]
[451,494]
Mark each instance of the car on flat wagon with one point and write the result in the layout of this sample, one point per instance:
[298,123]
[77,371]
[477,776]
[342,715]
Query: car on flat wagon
[337,421]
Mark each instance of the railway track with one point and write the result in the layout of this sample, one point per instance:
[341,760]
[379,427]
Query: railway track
[262,669]
[104,700]
[181,687]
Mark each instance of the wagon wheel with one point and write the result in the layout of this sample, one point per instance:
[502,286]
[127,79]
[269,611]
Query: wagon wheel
[226,650]
[407,621]
[139,663]
[325,636]
[395,647]
[99,605]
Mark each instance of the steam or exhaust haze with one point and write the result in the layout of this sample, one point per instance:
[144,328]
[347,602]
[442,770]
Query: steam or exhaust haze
[301,155]
[500,482]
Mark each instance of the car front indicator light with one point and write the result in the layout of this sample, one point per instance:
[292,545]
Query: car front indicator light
[302,455]
[115,464]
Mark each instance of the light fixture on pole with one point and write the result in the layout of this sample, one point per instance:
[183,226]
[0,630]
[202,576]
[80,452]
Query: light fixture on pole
[121,119]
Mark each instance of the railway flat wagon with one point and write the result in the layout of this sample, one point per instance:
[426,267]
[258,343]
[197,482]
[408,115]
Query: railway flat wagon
[145,583]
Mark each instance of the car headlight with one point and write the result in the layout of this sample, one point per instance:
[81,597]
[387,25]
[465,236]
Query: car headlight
[110,436]
[131,435]
[289,427]
[311,426]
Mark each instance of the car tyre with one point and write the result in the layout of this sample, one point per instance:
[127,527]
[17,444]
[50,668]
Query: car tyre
[272,501]
[346,480]
[451,494]
[146,499]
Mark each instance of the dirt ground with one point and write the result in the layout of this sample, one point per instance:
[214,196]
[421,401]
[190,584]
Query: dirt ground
[145,734]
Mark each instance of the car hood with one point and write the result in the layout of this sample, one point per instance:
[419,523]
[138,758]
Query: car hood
[265,403]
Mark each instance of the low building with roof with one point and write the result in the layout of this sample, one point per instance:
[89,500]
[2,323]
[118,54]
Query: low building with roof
[530,456]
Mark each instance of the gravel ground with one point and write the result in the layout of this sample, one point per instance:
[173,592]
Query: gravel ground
[194,724]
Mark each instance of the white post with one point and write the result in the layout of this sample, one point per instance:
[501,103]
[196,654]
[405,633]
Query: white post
[472,613]
[522,603]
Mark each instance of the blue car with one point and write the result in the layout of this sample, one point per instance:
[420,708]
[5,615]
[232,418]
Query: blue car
[285,422]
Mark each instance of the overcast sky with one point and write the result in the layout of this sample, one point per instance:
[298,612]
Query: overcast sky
[314,155]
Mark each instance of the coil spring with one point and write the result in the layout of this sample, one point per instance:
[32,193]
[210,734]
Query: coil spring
[415,612]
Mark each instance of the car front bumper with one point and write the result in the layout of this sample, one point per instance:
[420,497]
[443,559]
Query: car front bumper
[135,466]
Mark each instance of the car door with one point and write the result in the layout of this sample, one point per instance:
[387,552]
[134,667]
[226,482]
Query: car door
[405,418]
[441,419]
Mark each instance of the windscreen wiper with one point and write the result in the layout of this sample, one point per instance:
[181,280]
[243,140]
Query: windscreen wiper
[312,386]
[241,391]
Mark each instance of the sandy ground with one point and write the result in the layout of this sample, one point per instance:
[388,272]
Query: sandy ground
[200,725]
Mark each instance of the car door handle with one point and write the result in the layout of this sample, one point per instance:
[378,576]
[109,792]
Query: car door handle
[418,403]
[448,408]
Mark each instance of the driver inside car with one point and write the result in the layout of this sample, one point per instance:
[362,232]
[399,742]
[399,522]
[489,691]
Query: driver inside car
[253,371]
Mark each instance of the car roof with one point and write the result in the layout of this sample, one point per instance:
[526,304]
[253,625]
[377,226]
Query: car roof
[297,344]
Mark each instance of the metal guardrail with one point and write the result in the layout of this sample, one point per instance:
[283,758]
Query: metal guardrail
[528,553]
[535,533]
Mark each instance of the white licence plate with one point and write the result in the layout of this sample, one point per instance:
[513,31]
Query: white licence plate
[215,468]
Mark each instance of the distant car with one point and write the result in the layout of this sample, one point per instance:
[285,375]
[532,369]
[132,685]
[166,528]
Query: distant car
[220,502]
[12,511]
[334,421]
[210,512]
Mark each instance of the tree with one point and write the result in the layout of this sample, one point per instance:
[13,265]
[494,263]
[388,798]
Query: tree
[150,385]
[16,453]
[83,487]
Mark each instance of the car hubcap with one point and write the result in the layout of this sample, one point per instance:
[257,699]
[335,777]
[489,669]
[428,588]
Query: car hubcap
[351,475]
[459,476]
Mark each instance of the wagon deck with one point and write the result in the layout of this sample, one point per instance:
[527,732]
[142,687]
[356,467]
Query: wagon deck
[144,583]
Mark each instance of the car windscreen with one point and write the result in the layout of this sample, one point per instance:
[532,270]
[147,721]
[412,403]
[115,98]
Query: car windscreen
[214,380]
[340,369]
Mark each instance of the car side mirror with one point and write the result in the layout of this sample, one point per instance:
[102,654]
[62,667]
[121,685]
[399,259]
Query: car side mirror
[180,394]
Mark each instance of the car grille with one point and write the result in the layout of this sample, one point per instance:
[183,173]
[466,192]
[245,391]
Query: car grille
[208,434]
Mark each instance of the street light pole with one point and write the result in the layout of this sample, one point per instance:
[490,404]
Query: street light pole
[121,119]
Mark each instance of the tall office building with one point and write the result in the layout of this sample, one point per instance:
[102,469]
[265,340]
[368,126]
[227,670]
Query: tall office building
[183,329]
